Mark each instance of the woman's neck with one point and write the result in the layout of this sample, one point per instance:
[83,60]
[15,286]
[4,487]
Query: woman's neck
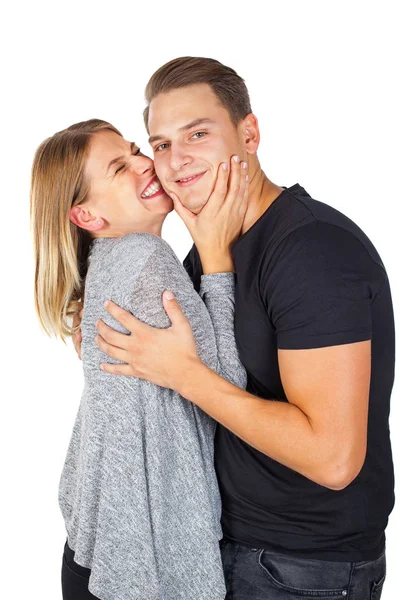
[154,228]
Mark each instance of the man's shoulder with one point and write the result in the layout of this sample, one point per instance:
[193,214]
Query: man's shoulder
[297,230]
[332,229]
[296,209]
[296,215]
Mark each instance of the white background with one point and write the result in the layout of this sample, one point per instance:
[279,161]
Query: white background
[323,80]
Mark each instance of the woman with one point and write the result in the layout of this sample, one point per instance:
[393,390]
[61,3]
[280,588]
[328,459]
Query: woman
[138,491]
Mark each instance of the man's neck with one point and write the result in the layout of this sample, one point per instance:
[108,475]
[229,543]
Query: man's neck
[262,193]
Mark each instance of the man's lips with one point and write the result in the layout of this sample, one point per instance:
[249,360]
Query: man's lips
[152,189]
[189,180]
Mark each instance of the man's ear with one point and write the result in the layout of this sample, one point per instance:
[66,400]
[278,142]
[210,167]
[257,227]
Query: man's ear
[250,133]
[84,219]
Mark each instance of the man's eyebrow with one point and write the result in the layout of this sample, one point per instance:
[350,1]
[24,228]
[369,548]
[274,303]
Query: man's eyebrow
[115,160]
[195,123]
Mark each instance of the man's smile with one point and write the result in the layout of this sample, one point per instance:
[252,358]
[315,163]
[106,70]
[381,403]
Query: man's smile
[190,180]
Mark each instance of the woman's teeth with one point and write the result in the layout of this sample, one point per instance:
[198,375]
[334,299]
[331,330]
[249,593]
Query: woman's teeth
[152,189]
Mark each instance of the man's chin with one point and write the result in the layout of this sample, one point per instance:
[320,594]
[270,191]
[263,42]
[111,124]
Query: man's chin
[193,206]
[196,210]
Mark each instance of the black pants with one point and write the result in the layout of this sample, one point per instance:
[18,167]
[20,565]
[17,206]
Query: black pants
[74,578]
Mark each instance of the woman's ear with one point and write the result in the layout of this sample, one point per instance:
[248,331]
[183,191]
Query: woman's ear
[250,133]
[84,219]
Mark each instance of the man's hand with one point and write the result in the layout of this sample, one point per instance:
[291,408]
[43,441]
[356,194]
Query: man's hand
[77,336]
[158,355]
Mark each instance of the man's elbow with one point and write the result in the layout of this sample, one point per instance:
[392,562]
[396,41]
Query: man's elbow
[340,482]
[340,475]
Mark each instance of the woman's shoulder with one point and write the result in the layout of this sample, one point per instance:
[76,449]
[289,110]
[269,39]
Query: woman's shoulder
[145,244]
[154,249]
[132,248]
[156,268]
[136,259]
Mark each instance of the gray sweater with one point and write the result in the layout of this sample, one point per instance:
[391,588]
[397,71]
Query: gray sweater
[138,491]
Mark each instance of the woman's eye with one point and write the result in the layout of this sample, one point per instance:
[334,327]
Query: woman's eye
[121,168]
[161,147]
[199,135]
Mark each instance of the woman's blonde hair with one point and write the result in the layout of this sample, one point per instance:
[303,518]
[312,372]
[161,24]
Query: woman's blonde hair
[60,247]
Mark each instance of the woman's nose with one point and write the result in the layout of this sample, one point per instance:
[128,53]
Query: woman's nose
[142,164]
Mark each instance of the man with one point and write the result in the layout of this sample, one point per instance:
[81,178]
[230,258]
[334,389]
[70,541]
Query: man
[303,457]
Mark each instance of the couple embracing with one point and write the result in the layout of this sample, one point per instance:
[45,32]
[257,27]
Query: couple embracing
[258,374]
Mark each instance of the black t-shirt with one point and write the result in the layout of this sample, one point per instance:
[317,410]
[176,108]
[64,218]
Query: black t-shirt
[307,277]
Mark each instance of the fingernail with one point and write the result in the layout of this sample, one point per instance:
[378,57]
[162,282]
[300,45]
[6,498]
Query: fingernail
[224,166]
[106,303]
[244,165]
[236,158]
[247,177]
[169,295]
[101,367]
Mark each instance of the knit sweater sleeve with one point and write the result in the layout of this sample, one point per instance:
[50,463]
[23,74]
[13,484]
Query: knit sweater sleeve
[218,293]
[212,321]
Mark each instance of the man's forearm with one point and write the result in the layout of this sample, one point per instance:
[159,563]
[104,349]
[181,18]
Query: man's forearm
[278,429]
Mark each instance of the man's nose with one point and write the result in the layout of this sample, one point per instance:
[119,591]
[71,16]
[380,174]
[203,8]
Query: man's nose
[178,158]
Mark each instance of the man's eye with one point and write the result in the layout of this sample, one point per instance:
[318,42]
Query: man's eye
[199,134]
[121,168]
[161,147]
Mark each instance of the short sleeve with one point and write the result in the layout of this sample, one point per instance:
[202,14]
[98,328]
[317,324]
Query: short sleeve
[318,288]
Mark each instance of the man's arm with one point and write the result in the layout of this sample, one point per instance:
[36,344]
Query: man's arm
[321,432]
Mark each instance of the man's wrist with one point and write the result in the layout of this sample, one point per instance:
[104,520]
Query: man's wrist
[190,377]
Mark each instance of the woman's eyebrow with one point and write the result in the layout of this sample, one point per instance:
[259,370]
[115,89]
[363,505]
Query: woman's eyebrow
[115,160]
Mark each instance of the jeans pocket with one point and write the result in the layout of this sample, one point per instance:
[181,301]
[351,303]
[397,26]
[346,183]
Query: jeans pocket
[305,578]
[376,590]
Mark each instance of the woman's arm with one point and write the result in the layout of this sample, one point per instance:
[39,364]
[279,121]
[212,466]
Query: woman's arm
[218,293]
[212,321]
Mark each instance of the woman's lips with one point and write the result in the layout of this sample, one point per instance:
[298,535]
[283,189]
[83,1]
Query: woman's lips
[152,189]
[191,180]
[159,193]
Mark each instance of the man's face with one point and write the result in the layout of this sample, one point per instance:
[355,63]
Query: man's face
[191,134]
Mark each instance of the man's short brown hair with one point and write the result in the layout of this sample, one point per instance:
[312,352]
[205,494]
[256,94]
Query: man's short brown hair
[226,84]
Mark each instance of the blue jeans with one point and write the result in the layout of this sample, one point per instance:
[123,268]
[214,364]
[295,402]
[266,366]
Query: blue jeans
[255,574]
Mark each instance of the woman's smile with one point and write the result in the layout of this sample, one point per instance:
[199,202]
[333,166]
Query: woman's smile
[153,188]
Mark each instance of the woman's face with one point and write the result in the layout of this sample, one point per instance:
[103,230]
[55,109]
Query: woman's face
[125,194]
